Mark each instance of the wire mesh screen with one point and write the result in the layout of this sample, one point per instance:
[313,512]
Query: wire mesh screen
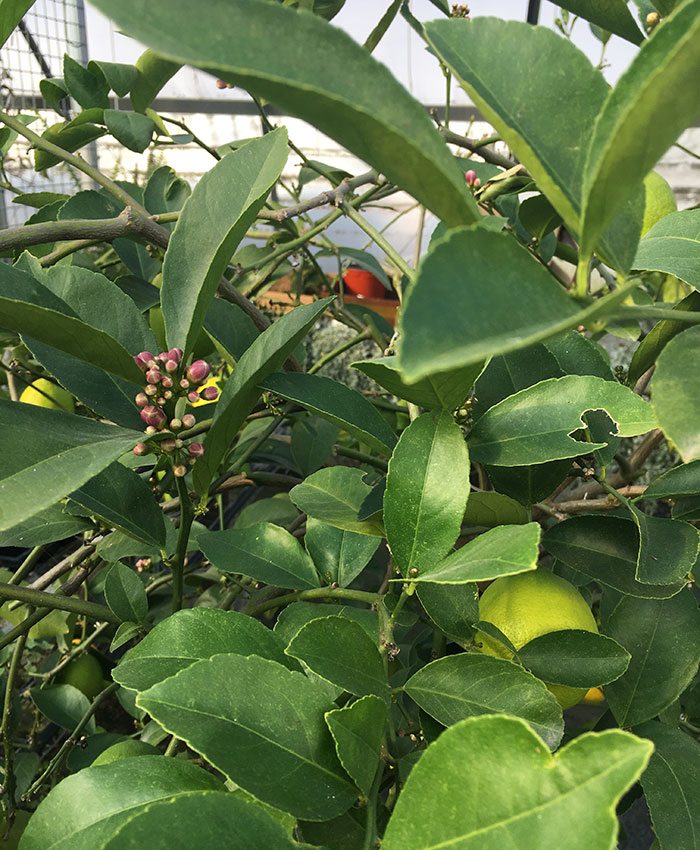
[35,50]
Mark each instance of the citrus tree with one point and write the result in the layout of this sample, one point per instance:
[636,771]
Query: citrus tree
[248,614]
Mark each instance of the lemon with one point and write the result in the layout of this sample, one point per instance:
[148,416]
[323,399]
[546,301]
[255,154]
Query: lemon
[531,604]
[125,750]
[660,200]
[85,674]
[43,393]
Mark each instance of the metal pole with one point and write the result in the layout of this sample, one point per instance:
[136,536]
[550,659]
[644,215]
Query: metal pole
[533,12]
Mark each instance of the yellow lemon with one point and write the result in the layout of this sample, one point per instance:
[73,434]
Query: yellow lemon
[43,393]
[660,200]
[531,604]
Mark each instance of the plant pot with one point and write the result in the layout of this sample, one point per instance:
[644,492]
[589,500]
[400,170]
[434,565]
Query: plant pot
[364,284]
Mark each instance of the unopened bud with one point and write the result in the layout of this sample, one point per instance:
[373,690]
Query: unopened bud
[178,443]
[470,177]
[141,399]
[142,359]
[185,384]
[171,366]
[477,183]
[153,376]
[151,389]
[167,382]
[198,371]
[193,396]
[195,449]
[151,430]
[652,20]
[168,394]
[188,420]
[179,471]
[209,393]
[163,356]
[175,354]
[153,415]
[161,400]
[168,445]
[140,449]
[175,424]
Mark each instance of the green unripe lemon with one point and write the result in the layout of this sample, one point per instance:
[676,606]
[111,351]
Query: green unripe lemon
[43,393]
[125,750]
[85,674]
[660,200]
[531,604]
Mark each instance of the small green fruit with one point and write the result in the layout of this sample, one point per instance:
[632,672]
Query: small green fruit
[125,750]
[85,674]
[43,393]
[660,200]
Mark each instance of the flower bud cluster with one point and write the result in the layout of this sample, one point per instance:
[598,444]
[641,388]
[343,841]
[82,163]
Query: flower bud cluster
[472,180]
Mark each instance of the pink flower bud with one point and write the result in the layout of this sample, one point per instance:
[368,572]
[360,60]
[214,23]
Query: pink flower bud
[163,356]
[168,394]
[171,366]
[151,430]
[167,445]
[198,371]
[153,415]
[161,400]
[151,390]
[141,399]
[188,420]
[143,358]
[153,376]
[470,177]
[185,384]
[209,393]
[167,382]
[175,354]
[477,183]
[193,396]
[175,424]
[179,471]
[191,460]
[195,449]
[140,449]
[178,443]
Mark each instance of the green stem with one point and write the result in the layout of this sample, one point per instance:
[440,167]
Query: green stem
[370,842]
[341,349]
[23,628]
[183,536]
[582,276]
[355,454]
[171,749]
[10,782]
[71,741]
[60,603]
[195,138]
[27,565]
[75,651]
[316,593]
[396,259]
[397,608]
[659,313]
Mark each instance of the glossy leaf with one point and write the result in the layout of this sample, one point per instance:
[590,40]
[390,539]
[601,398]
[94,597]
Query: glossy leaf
[11,13]
[426,492]
[358,732]
[294,617]
[125,594]
[675,393]
[515,792]
[70,138]
[670,785]
[230,327]
[339,404]
[48,454]
[208,820]
[86,809]
[439,390]
[85,87]
[48,525]
[533,426]
[119,76]
[334,496]
[663,638]
[339,556]
[312,442]
[266,355]
[672,245]
[64,705]
[502,551]
[131,129]
[262,551]
[668,548]
[476,272]
[188,636]
[489,509]
[470,684]
[252,719]
[683,480]
[340,651]
[154,71]
[606,549]
[529,484]
[215,217]
[454,608]
[639,121]
[574,658]
[612,16]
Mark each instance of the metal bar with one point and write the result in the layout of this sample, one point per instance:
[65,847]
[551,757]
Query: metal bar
[533,12]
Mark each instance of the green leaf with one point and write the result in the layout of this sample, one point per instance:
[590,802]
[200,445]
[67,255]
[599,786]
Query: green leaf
[334,496]
[339,556]
[165,191]
[670,782]
[277,509]
[11,13]
[639,120]
[489,509]
[209,820]
[340,651]
[505,788]
[605,548]
[45,527]
[673,245]
[663,638]
[49,454]
[215,217]
[687,508]
[668,548]
[125,632]
[294,617]
[154,71]
[529,484]
[367,112]
[502,551]
[339,404]
[574,658]
[476,271]
[131,129]
[469,684]
[358,732]
[312,442]
[426,492]
[230,327]
[683,480]
[120,77]
[438,390]
[266,355]
[70,138]
[675,394]
[125,594]
[533,426]
[86,809]
[87,88]
[215,706]
[39,199]
[64,705]
[454,608]
[262,551]
[648,350]
[188,636]
[33,310]
[612,16]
